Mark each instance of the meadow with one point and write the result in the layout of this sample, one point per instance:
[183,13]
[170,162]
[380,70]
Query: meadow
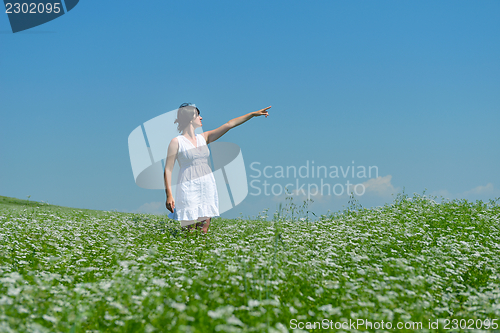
[411,261]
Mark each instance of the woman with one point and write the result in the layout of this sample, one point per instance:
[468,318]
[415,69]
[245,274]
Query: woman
[196,200]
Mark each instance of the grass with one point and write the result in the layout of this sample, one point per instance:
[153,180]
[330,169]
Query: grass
[8,203]
[412,261]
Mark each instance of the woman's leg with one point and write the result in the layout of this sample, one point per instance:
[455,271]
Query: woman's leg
[191,227]
[205,226]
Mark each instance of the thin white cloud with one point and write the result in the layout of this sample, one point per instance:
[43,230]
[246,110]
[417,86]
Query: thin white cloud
[157,208]
[380,186]
[480,190]
[315,193]
[442,193]
[487,189]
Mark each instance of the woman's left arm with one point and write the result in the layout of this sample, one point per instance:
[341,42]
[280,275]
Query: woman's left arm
[211,136]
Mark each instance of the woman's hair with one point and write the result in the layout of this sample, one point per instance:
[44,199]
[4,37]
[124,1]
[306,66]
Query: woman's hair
[185,114]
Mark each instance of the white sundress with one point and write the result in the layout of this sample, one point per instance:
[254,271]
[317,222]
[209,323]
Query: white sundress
[196,192]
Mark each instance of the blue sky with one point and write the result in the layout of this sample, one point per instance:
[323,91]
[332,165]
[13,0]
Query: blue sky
[409,87]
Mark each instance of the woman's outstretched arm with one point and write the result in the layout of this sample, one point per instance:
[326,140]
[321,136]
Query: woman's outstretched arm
[211,136]
[173,147]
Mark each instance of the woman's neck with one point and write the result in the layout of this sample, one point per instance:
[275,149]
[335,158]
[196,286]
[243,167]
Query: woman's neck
[189,132]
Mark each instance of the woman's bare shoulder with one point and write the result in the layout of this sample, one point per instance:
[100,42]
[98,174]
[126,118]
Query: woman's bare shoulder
[173,148]
[174,143]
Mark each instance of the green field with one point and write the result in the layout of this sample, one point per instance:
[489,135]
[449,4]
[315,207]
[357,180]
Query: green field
[413,261]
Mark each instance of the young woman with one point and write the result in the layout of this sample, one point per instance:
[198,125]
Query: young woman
[196,200]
